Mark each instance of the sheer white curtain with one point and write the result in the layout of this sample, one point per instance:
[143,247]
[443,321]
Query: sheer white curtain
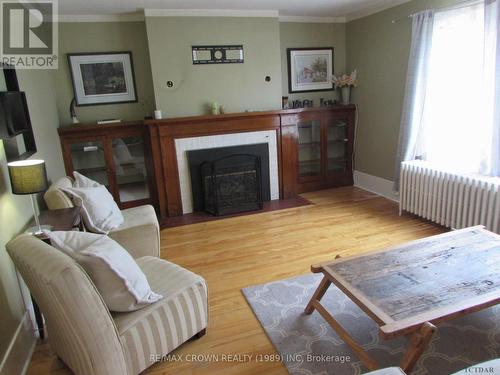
[455,132]
[459,123]
[492,79]
[415,89]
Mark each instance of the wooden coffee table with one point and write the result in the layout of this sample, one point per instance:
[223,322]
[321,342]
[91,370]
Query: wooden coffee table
[408,288]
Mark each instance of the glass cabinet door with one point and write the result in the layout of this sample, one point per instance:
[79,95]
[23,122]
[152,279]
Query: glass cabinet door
[130,168]
[337,140]
[88,159]
[309,148]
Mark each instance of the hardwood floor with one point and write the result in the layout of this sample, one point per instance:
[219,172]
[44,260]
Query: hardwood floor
[237,252]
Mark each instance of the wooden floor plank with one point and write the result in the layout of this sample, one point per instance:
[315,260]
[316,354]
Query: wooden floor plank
[247,250]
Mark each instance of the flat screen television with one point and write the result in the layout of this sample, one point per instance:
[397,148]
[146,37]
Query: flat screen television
[14,116]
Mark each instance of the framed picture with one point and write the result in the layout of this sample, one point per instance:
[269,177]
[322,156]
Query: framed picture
[102,78]
[310,69]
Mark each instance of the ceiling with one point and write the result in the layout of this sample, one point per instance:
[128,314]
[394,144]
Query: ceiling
[342,9]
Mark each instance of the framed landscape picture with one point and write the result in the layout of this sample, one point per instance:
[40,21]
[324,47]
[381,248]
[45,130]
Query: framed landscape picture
[102,78]
[310,69]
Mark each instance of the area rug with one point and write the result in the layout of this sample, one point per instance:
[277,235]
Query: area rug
[308,345]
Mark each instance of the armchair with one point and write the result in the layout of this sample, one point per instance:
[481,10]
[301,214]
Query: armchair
[90,339]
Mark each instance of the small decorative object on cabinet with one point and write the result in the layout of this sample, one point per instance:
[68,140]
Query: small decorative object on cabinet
[317,147]
[214,108]
[116,155]
[72,111]
[284,102]
[346,94]
[345,82]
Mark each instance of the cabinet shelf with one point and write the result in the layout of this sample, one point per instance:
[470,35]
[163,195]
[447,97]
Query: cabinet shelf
[313,161]
[91,170]
[309,162]
[310,144]
[307,126]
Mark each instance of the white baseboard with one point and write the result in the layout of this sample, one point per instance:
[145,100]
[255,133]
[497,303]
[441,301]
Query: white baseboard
[18,354]
[374,184]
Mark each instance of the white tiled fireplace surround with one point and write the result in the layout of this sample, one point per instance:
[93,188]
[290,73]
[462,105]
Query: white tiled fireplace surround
[182,145]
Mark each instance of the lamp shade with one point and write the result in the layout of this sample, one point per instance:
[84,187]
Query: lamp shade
[27,176]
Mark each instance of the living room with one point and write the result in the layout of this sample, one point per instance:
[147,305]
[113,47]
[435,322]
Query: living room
[260,187]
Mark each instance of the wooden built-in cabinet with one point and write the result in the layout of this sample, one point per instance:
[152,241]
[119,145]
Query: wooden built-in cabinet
[317,149]
[116,155]
[137,161]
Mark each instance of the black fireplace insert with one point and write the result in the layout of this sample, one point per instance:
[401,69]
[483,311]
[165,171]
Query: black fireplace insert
[231,184]
[230,180]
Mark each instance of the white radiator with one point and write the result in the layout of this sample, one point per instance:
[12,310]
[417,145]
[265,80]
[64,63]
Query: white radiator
[450,199]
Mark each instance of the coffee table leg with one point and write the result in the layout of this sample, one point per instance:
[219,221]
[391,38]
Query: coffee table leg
[318,294]
[418,343]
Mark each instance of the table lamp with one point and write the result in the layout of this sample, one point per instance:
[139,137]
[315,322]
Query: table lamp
[29,177]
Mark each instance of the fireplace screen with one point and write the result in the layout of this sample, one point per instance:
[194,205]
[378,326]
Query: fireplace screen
[232,184]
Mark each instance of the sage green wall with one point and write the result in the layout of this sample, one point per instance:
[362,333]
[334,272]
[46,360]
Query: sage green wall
[238,87]
[15,210]
[105,37]
[299,35]
[379,49]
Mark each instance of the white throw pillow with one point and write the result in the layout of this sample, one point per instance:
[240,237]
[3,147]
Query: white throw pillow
[82,181]
[116,275]
[99,211]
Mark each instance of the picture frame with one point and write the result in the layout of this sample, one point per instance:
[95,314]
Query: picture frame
[310,69]
[102,78]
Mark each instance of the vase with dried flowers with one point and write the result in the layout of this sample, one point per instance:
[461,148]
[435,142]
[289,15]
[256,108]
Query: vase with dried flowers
[345,82]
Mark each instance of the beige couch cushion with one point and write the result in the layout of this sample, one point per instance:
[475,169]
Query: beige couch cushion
[99,211]
[55,198]
[116,275]
[161,327]
[140,232]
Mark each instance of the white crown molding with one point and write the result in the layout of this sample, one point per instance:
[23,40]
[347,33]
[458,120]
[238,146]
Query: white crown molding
[210,13]
[136,17]
[372,10]
[311,19]
[139,17]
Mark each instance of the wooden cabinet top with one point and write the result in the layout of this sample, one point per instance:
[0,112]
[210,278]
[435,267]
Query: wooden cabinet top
[78,128]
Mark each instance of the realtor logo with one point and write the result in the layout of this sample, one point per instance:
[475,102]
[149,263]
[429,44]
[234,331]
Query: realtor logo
[28,37]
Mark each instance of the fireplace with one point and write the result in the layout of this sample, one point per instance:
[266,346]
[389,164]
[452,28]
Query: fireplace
[229,180]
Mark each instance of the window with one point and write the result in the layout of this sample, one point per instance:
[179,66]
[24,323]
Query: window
[456,132]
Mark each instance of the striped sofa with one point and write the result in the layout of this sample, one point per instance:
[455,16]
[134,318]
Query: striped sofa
[86,335]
